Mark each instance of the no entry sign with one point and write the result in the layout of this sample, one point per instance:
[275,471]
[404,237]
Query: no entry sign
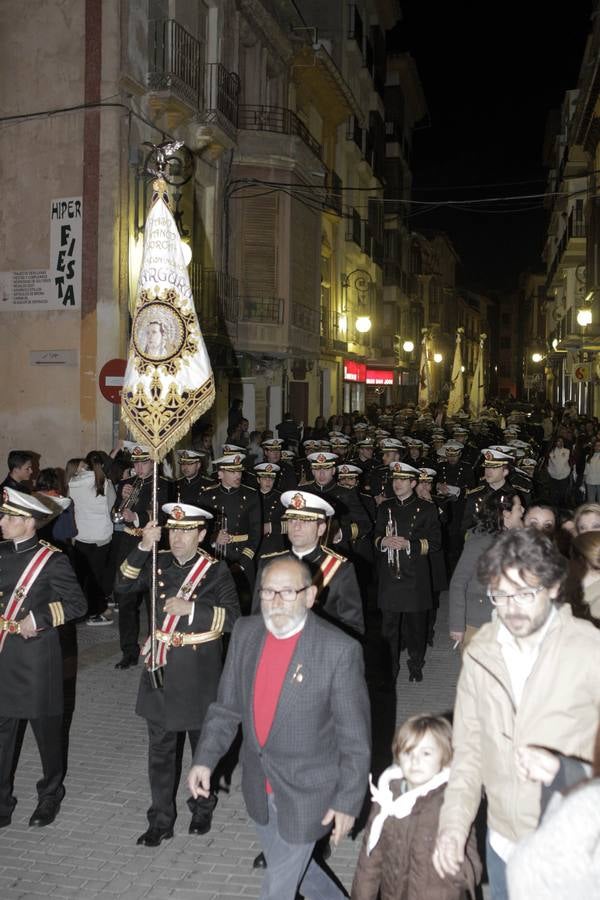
[111,379]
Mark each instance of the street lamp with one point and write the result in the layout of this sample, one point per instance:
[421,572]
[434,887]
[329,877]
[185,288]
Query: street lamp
[437,357]
[363,324]
[408,346]
[584,316]
[536,357]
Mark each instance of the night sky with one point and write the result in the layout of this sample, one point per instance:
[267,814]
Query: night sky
[491,73]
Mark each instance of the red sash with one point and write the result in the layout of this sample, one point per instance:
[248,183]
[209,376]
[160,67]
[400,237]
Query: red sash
[194,577]
[23,587]
[326,571]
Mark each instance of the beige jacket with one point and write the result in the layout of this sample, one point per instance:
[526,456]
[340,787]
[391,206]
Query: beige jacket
[559,710]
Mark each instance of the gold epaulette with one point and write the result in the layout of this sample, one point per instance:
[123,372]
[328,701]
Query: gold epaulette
[209,487]
[248,487]
[335,555]
[48,544]
[199,552]
[163,551]
[480,487]
[275,553]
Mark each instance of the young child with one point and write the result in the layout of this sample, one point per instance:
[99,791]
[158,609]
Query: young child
[395,857]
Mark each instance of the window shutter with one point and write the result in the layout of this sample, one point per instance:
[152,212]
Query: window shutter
[259,246]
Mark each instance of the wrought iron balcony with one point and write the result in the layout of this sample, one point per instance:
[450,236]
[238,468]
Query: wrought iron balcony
[175,61]
[305,317]
[265,310]
[354,132]
[366,238]
[354,228]
[279,120]
[333,192]
[216,297]
[222,91]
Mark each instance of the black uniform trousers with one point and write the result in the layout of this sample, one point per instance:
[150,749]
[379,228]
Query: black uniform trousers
[48,733]
[165,752]
[129,603]
[412,628]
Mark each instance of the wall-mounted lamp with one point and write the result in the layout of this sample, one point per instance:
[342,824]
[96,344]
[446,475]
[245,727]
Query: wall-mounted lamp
[536,357]
[437,357]
[584,316]
[363,324]
[408,346]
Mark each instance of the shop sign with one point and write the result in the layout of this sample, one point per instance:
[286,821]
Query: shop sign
[354,371]
[380,376]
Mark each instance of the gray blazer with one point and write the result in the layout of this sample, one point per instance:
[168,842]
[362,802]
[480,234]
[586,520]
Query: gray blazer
[468,603]
[318,751]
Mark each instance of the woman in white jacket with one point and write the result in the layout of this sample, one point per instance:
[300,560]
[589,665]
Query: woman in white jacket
[93,497]
[591,473]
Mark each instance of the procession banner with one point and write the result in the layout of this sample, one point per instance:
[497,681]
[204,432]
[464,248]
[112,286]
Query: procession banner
[168,382]
[457,391]
[477,387]
[424,397]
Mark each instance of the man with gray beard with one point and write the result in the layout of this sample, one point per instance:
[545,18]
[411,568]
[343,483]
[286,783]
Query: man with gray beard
[296,684]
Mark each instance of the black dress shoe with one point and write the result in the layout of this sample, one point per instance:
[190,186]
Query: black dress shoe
[202,812]
[416,675]
[154,836]
[45,813]
[259,862]
[126,662]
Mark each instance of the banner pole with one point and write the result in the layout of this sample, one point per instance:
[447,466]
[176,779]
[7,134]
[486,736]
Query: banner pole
[154,564]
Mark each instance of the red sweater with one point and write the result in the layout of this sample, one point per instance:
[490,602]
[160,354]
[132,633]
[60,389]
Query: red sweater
[272,667]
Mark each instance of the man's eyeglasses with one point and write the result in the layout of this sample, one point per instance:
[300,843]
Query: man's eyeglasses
[288,595]
[522,598]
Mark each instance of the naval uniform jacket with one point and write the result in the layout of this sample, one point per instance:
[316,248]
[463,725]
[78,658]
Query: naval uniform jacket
[286,479]
[317,754]
[191,675]
[477,496]
[127,535]
[241,507]
[418,521]
[272,511]
[350,515]
[188,490]
[31,671]
[339,601]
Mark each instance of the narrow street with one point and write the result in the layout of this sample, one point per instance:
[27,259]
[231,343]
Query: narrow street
[90,851]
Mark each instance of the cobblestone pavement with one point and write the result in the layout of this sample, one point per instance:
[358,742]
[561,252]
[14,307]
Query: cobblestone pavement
[90,850]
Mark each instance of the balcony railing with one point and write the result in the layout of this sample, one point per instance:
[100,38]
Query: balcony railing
[216,296]
[279,120]
[354,132]
[353,228]
[265,310]
[305,317]
[175,61]
[333,192]
[222,94]
[575,229]
[366,238]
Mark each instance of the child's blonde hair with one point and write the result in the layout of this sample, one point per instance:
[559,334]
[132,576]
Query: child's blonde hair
[409,734]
